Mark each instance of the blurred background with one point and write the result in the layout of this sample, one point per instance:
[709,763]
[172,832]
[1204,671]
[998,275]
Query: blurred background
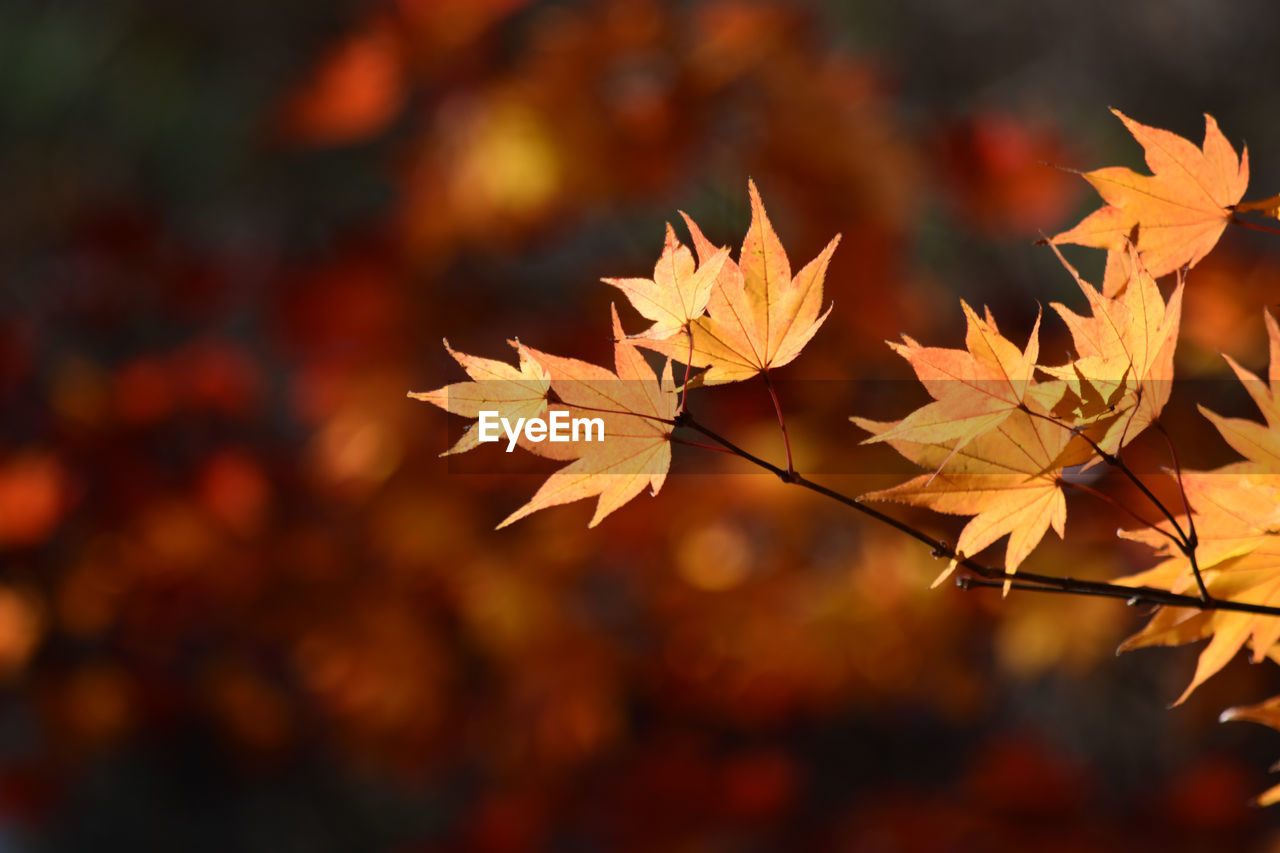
[244,606]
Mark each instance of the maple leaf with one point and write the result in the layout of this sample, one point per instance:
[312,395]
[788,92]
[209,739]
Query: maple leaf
[974,389]
[637,410]
[759,316]
[1236,510]
[677,293]
[513,392]
[1179,211]
[1008,479]
[1265,713]
[1124,348]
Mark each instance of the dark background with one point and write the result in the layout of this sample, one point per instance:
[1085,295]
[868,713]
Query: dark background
[244,606]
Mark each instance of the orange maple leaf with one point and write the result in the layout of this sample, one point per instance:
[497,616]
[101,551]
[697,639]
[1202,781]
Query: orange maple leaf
[1124,349]
[1179,211]
[974,389]
[1008,479]
[637,411]
[512,392]
[1236,510]
[759,316]
[677,293]
[1265,713]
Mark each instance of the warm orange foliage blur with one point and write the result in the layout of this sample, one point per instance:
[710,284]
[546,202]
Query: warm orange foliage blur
[245,605]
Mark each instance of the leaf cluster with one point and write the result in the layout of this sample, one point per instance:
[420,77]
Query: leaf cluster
[1005,435]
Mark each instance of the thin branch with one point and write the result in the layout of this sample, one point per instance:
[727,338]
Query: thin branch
[988,575]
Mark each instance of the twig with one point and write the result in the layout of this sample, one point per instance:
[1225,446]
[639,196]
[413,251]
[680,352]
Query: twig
[989,576]
[986,576]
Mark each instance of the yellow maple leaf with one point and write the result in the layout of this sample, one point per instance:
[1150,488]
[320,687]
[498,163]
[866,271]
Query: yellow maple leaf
[1008,479]
[637,411]
[1179,211]
[677,293]
[974,389]
[1236,510]
[495,385]
[1265,713]
[759,316]
[1124,349]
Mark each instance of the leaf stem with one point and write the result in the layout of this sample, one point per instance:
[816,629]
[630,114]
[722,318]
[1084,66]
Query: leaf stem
[688,366]
[1244,223]
[1103,496]
[782,424]
[1119,464]
[1193,539]
[700,444]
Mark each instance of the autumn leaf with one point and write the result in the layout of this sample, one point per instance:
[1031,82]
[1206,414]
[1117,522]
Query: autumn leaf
[512,392]
[1269,206]
[1179,211]
[1008,479]
[974,389]
[637,411]
[759,316]
[1266,395]
[1124,348]
[1265,713]
[1253,577]
[677,293]
[1236,510]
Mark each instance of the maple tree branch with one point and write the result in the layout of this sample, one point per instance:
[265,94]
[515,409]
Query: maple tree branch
[989,576]
[782,424]
[1133,595]
[941,548]
[986,576]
